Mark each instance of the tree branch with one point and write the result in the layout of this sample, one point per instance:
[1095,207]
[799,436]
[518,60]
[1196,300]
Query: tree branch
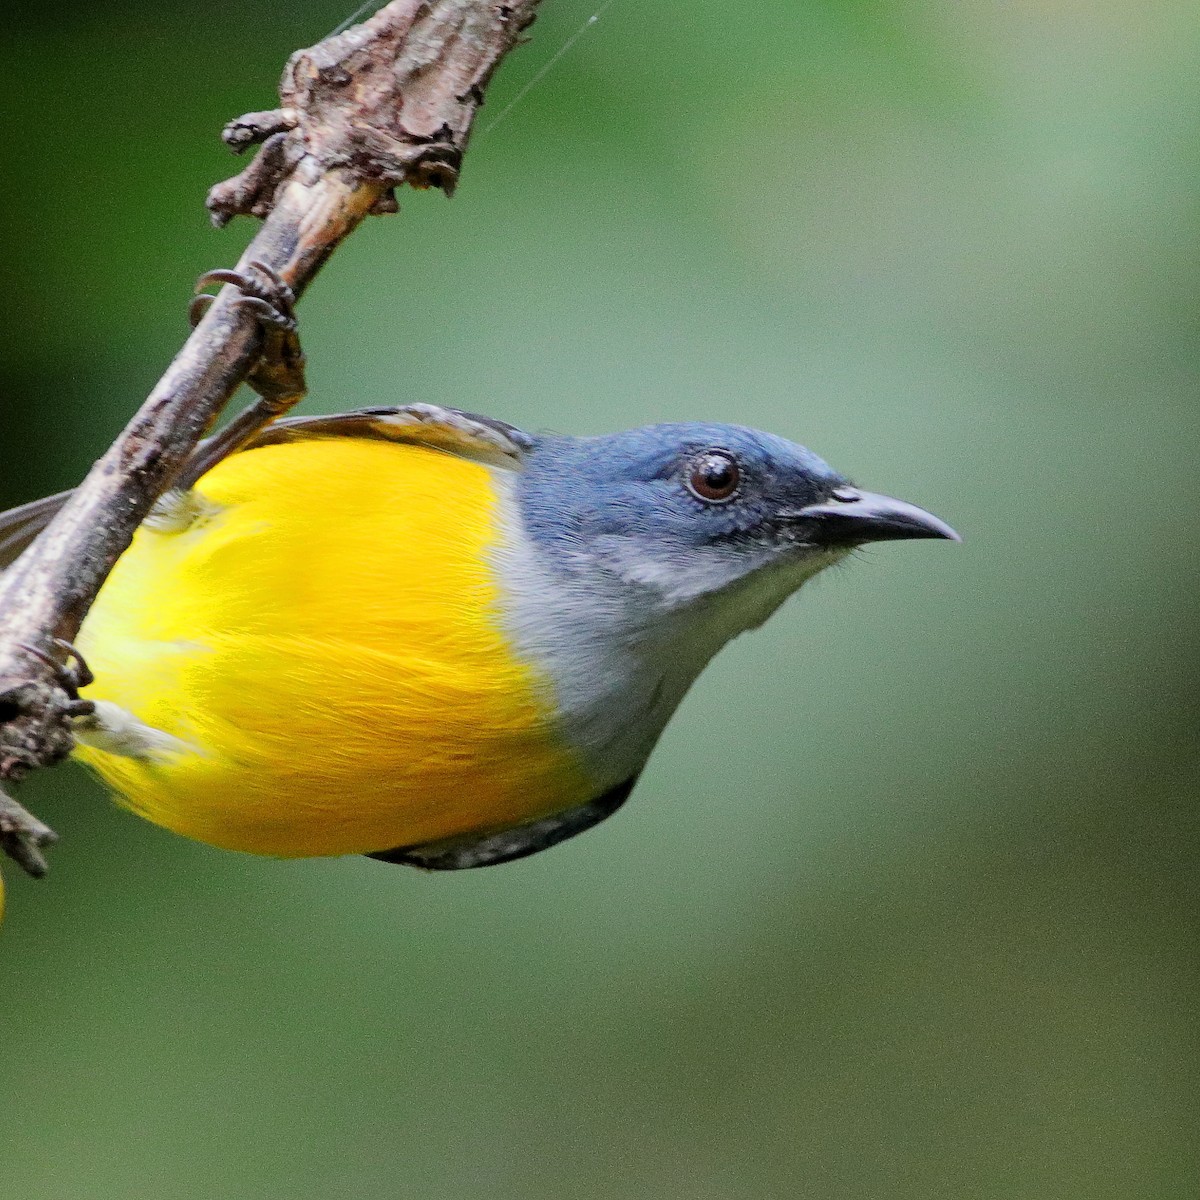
[388,102]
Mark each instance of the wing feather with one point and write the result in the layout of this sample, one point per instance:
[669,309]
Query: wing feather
[469,435]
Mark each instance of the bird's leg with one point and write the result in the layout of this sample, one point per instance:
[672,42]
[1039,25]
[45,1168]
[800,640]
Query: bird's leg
[277,377]
[100,723]
[115,730]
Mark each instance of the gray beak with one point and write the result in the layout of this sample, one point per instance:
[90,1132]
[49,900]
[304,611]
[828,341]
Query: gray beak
[851,517]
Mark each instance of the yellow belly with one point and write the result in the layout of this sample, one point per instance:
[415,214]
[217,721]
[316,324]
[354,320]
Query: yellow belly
[327,642]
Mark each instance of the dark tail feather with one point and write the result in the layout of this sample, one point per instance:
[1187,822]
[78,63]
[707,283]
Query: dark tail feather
[19,526]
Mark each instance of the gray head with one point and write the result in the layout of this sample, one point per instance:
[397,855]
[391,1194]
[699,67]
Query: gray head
[689,511]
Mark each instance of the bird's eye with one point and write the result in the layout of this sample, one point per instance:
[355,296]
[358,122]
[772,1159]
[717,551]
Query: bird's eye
[714,476]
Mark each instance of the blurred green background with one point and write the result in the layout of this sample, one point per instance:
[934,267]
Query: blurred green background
[906,904]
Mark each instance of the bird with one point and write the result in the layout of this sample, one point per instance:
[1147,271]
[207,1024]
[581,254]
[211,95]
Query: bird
[427,636]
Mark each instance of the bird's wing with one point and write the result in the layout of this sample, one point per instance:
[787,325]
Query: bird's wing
[491,849]
[467,434]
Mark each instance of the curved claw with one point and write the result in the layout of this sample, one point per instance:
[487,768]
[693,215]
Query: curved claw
[270,297]
[223,275]
[81,671]
[70,675]
[198,307]
[52,663]
[274,276]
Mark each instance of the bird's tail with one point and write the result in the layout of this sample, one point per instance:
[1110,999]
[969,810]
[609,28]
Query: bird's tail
[19,526]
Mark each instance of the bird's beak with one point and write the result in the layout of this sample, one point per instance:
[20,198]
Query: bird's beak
[851,517]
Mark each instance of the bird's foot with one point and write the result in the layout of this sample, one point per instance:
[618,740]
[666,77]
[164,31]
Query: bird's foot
[70,673]
[278,376]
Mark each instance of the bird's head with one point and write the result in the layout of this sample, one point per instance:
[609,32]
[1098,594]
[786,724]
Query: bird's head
[689,511]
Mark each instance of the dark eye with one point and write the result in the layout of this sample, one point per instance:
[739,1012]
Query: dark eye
[714,475]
